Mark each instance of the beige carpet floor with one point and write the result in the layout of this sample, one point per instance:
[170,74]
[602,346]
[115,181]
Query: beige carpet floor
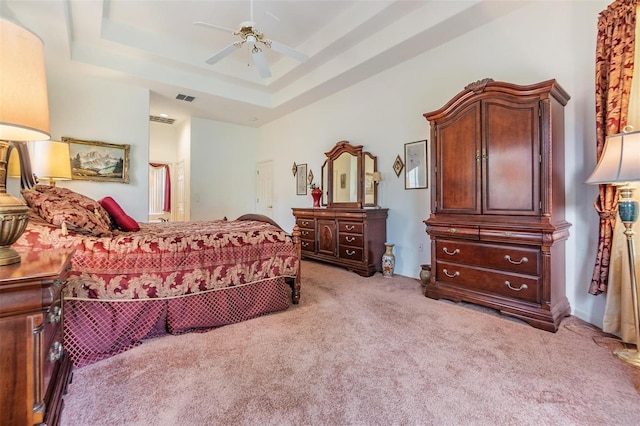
[364,351]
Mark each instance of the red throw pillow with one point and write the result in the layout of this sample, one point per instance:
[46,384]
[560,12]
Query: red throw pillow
[123,220]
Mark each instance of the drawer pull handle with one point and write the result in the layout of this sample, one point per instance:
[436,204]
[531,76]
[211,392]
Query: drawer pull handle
[55,352]
[455,274]
[450,253]
[350,252]
[522,287]
[305,223]
[350,239]
[520,262]
[349,227]
[452,230]
[54,317]
[305,233]
[304,244]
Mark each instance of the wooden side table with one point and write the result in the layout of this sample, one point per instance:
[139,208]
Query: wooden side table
[34,367]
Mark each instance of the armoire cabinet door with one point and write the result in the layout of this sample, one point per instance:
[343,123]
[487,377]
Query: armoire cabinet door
[458,151]
[510,157]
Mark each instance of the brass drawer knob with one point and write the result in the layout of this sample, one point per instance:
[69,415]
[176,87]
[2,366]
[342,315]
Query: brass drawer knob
[522,287]
[350,252]
[455,274]
[55,352]
[350,239]
[519,262]
[55,314]
[304,223]
[450,253]
[349,227]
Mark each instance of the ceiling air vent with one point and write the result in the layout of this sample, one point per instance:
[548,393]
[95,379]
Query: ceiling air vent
[163,120]
[185,98]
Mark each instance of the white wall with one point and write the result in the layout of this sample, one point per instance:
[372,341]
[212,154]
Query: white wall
[223,169]
[163,143]
[541,41]
[89,108]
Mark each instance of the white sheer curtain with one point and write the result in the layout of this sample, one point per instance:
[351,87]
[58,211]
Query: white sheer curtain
[618,315]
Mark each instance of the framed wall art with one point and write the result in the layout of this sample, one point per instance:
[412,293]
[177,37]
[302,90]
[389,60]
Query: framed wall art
[98,161]
[398,165]
[301,179]
[415,165]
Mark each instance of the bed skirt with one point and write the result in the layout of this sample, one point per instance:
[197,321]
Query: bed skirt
[97,329]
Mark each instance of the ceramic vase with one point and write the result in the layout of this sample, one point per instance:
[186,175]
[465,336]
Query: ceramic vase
[425,274]
[316,193]
[388,261]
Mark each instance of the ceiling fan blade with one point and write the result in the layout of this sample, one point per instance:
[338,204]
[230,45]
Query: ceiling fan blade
[224,52]
[285,50]
[215,27]
[261,63]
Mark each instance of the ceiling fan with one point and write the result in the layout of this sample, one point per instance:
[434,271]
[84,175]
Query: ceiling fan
[255,40]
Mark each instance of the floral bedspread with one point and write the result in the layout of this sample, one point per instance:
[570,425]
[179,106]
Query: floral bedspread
[167,260]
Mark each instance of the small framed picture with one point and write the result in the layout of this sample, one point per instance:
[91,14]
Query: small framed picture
[301,179]
[99,161]
[415,165]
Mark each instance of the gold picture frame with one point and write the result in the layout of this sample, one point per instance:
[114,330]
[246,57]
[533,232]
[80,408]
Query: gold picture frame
[98,161]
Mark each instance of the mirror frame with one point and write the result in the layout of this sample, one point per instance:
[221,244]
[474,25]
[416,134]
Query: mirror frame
[355,150]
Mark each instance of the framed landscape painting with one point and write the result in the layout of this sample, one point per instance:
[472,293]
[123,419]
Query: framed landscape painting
[99,161]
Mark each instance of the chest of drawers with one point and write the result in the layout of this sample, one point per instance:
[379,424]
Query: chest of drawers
[35,369]
[352,238]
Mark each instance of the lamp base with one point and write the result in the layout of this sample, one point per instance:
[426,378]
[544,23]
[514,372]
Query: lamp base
[631,356]
[8,256]
[14,216]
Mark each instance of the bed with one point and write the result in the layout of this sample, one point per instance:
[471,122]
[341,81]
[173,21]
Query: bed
[152,279]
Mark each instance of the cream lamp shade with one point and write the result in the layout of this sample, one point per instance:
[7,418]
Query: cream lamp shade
[24,105]
[24,116]
[50,161]
[13,168]
[620,160]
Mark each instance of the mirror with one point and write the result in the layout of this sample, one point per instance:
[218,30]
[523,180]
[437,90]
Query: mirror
[349,175]
[324,179]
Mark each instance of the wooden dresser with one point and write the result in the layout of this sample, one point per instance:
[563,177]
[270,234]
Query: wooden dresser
[352,238]
[497,222]
[35,369]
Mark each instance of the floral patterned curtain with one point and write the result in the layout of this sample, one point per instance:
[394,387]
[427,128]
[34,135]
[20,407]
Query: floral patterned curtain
[614,71]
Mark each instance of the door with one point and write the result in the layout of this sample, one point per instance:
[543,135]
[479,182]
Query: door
[458,155]
[511,157]
[326,230]
[264,188]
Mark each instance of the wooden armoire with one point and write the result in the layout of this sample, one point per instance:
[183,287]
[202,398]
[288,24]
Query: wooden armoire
[497,223]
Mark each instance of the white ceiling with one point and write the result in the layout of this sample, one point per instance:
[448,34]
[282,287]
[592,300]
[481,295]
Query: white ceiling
[154,44]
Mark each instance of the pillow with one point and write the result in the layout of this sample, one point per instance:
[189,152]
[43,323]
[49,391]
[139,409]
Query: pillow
[79,199]
[64,214]
[122,220]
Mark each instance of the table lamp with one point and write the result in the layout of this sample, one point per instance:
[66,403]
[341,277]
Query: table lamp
[24,116]
[50,161]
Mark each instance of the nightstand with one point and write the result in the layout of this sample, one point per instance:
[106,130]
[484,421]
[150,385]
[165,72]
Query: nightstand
[34,367]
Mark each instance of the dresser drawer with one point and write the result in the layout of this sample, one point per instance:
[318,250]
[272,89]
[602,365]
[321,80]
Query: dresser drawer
[515,286]
[351,253]
[352,227]
[454,231]
[308,245]
[307,234]
[513,237]
[493,256]
[305,223]
[351,240]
